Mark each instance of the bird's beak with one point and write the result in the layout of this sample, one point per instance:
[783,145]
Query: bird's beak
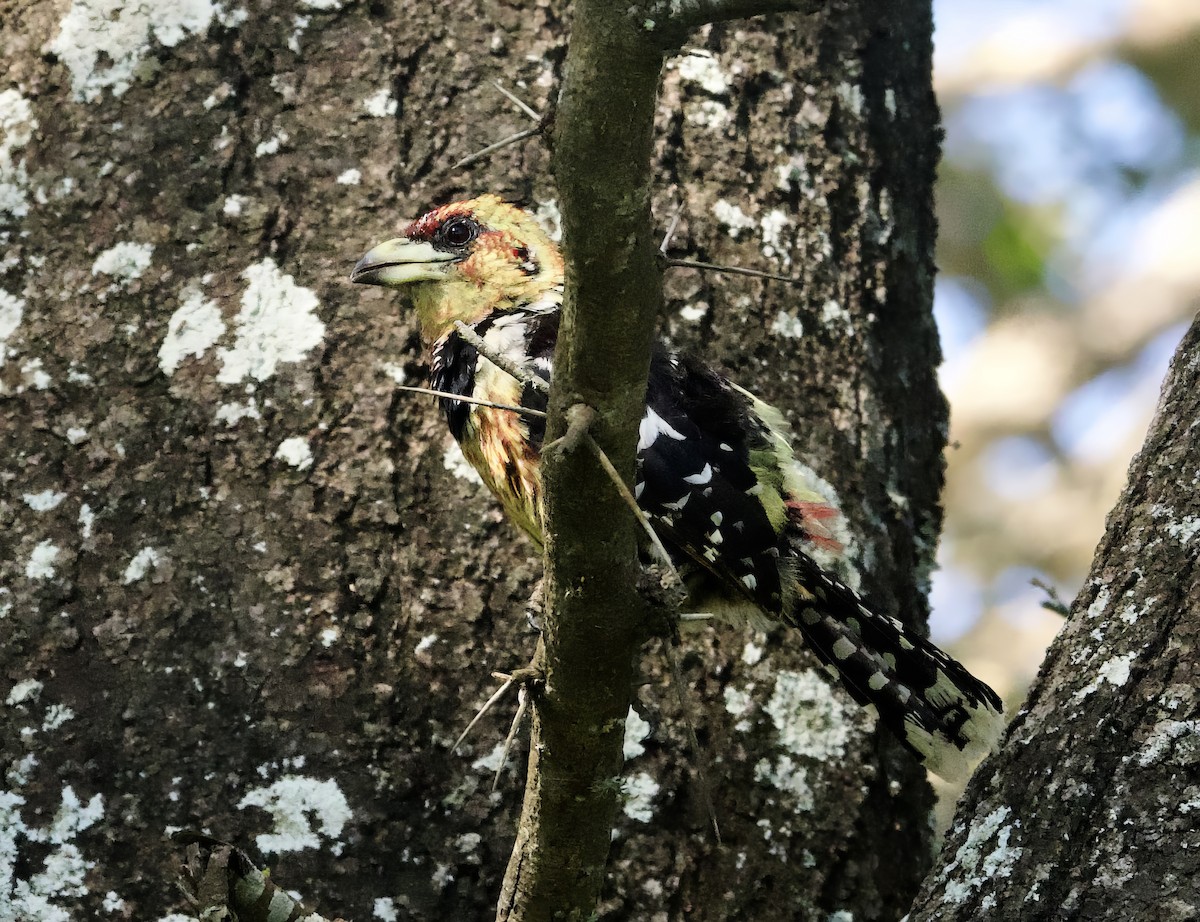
[400,261]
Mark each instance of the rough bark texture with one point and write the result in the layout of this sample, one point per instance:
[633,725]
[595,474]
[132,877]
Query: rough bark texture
[1088,811]
[203,623]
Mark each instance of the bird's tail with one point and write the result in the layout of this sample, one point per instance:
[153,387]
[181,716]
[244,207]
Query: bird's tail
[949,718]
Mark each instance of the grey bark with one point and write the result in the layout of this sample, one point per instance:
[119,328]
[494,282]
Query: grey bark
[337,621]
[1088,810]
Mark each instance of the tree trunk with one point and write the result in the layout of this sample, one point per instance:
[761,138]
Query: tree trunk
[245,589]
[1087,810]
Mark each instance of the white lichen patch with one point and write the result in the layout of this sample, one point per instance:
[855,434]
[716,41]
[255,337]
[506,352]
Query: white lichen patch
[103,42]
[141,564]
[34,375]
[703,69]
[638,793]
[454,461]
[296,452]
[195,326]
[25,690]
[788,326]
[833,314]
[1114,671]
[276,324]
[811,721]
[752,653]
[56,716]
[233,204]
[384,909]
[693,313]
[636,731]
[300,807]
[43,501]
[124,262]
[978,868]
[17,125]
[12,311]
[323,5]
[784,774]
[772,226]
[1175,740]
[381,103]
[60,879]
[741,705]
[350,177]
[708,113]
[812,725]
[492,762]
[1100,604]
[851,95]
[87,521]
[40,564]
[233,413]
[1185,530]
[732,217]
[270,146]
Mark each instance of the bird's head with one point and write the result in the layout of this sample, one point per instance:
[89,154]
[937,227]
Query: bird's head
[465,259]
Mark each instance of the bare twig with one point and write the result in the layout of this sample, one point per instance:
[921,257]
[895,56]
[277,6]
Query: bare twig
[522,705]
[487,706]
[672,226]
[517,370]
[518,102]
[730,270]
[672,20]
[492,148]
[524,411]
[631,502]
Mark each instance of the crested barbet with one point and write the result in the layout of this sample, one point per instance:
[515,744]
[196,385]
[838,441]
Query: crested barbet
[756,532]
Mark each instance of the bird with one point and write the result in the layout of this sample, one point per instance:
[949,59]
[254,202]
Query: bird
[757,532]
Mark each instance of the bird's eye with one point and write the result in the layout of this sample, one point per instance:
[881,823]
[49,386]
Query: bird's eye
[458,232]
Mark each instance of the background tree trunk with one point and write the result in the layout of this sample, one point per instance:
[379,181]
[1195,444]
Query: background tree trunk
[244,588]
[1087,811]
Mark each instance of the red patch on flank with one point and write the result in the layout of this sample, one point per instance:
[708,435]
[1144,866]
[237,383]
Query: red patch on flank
[808,517]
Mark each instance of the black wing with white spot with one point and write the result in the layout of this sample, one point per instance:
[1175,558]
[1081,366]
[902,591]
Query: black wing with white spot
[696,481]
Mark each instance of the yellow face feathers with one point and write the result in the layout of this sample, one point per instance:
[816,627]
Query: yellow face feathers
[464,260]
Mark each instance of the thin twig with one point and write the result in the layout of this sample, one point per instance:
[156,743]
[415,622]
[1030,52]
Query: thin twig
[522,704]
[731,270]
[517,370]
[686,710]
[492,148]
[518,102]
[496,696]
[631,502]
[672,226]
[524,411]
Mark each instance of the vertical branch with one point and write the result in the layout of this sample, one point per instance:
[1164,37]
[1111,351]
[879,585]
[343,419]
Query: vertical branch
[594,622]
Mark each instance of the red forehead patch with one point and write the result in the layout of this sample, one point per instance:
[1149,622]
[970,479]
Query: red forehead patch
[426,226]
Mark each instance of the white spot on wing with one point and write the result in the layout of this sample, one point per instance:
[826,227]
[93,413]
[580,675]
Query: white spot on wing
[703,477]
[651,427]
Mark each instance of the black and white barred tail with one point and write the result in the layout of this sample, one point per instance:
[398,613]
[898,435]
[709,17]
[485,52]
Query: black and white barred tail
[945,715]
